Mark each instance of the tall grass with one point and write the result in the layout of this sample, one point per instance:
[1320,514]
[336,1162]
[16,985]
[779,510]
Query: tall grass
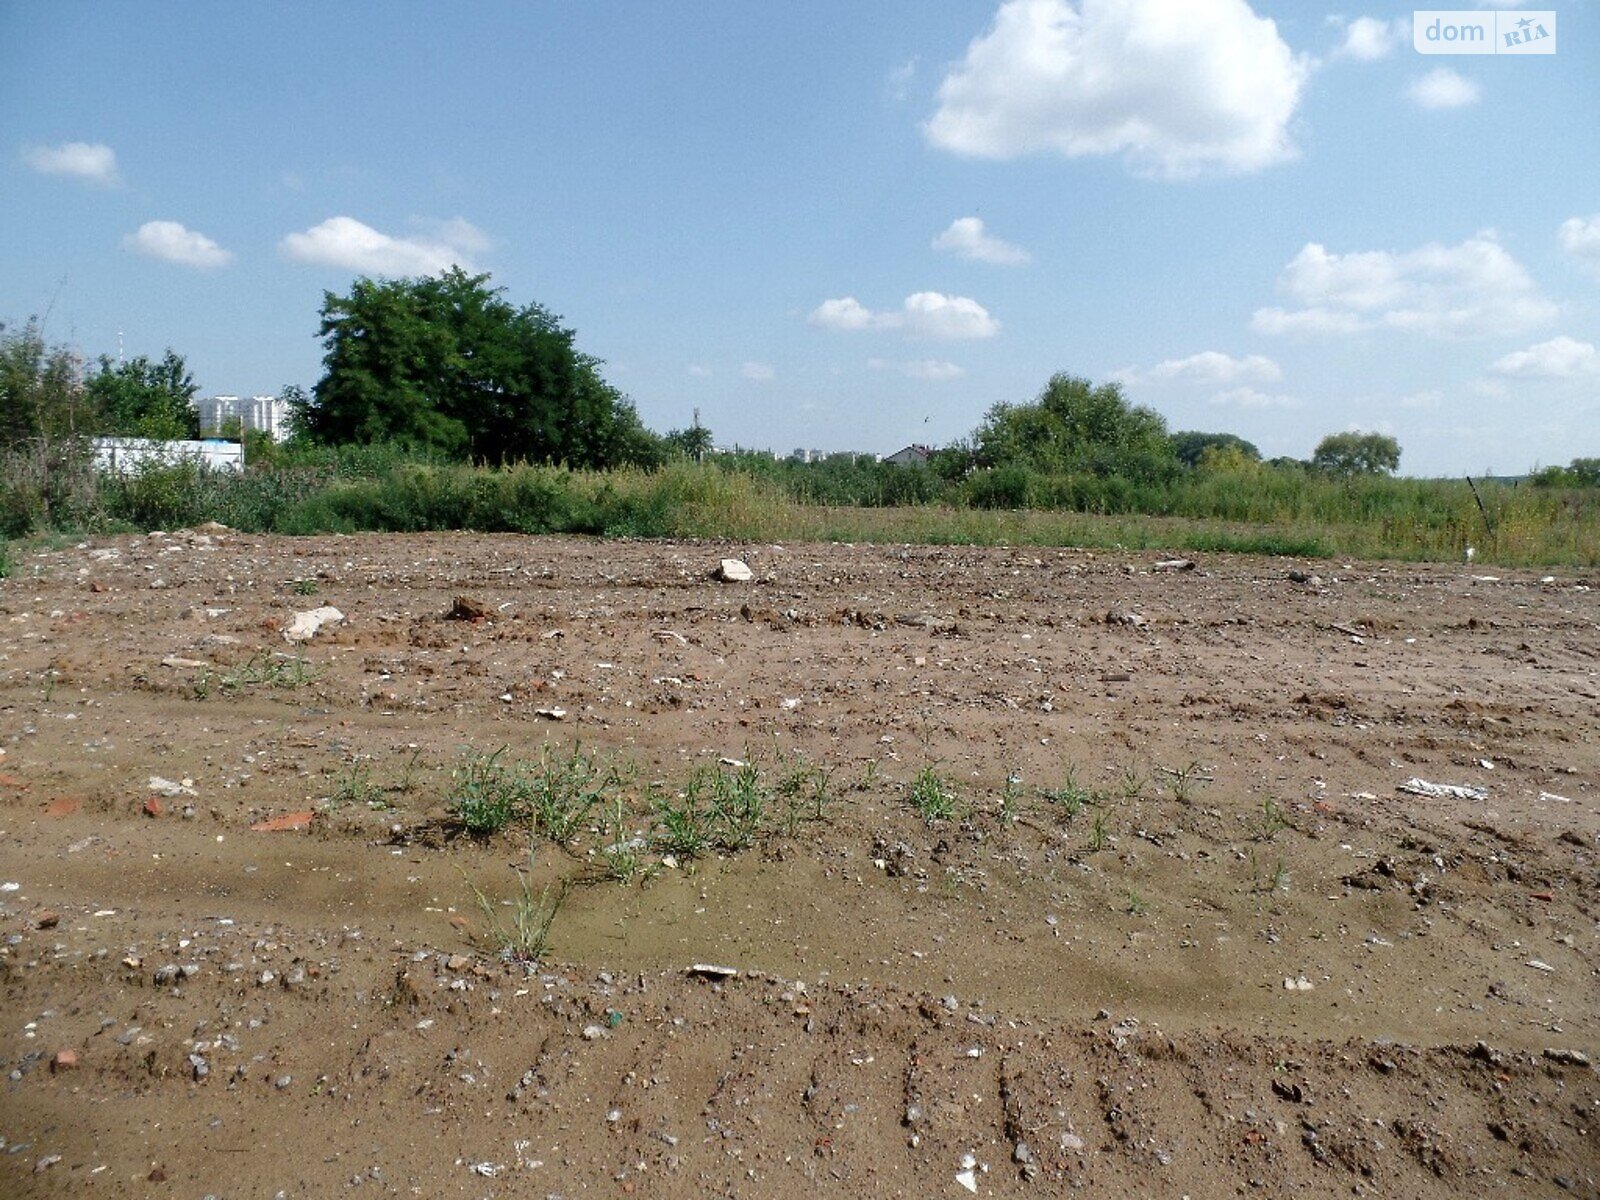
[1251,508]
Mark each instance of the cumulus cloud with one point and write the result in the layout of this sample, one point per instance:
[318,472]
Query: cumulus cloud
[1178,90]
[1209,366]
[1248,397]
[1559,358]
[844,315]
[931,369]
[92,162]
[923,314]
[346,242]
[1369,38]
[171,242]
[967,238]
[1440,291]
[1580,237]
[1442,88]
[760,372]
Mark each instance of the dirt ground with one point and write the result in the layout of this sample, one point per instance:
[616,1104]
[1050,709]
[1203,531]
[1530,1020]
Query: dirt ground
[1183,933]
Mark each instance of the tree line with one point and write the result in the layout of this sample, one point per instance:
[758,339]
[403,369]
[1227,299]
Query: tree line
[445,367]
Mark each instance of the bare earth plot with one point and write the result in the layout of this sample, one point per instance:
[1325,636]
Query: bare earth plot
[1178,933]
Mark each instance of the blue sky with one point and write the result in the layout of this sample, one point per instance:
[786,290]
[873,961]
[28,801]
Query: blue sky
[844,225]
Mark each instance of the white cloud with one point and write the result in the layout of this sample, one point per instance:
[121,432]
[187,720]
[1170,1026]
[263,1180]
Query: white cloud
[1429,398]
[760,372]
[923,314]
[1305,320]
[1248,397]
[1442,88]
[700,370]
[897,84]
[932,369]
[1559,358]
[1177,89]
[845,314]
[1367,39]
[948,318]
[346,242]
[1440,291]
[1209,366]
[967,238]
[93,162]
[1580,237]
[171,242]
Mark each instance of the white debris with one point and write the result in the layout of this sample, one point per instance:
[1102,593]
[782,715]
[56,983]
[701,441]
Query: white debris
[169,787]
[1297,984]
[732,570]
[305,625]
[1443,791]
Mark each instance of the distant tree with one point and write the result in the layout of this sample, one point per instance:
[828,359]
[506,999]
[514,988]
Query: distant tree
[141,398]
[1190,446]
[444,364]
[1357,453]
[692,443]
[1583,472]
[1075,426]
[41,392]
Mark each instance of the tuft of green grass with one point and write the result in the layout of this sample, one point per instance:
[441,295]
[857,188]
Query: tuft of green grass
[738,804]
[1070,796]
[684,820]
[1185,781]
[486,794]
[1011,799]
[933,796]
[305,587]
[1273,821]
[622,857]
[355,785]
[806,793]
[564,789]
[523,937]
[264,668]
[1099,834]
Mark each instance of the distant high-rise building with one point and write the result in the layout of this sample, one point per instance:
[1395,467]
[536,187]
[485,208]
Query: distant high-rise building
[269,414]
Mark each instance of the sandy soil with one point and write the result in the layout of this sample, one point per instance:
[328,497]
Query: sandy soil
[1250,965]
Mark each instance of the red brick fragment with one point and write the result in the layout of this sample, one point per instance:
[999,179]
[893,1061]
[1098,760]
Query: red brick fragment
[286,823]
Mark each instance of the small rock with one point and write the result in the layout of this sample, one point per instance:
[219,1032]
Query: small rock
[47,918]
[465,608]
[1119,616]
[1571,1058]
[732,570]
[64,1060]
[1173,564]
[282,1082]
[593,1033]
[152,807]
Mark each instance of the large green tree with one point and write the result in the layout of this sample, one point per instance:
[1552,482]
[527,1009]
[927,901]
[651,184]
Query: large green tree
[1191,446]
[1357,453]
[144,398]
[41,393]
[1077,427]
[444,364]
